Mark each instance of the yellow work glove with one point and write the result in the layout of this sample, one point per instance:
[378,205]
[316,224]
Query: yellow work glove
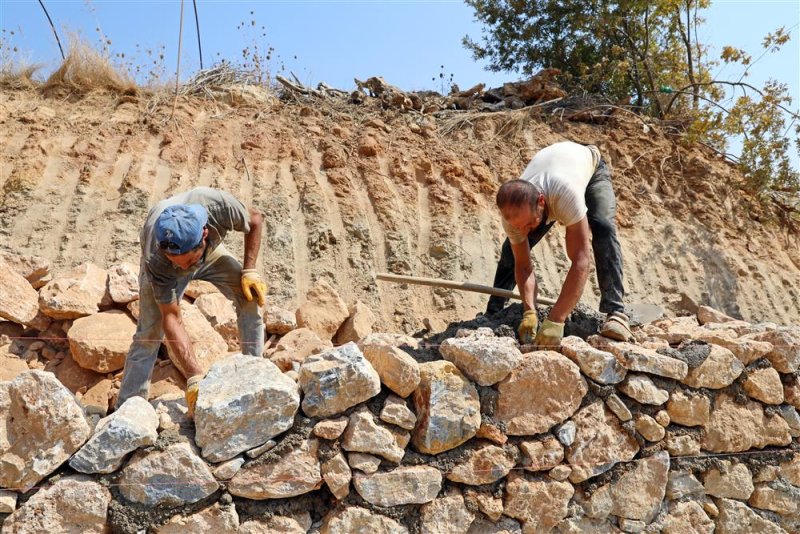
[192,389]
[254,285]
[527,328]
[549,336]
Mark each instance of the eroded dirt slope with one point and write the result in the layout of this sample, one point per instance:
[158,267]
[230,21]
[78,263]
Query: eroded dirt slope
[350,191]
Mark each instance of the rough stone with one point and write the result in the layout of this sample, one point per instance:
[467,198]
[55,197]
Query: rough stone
[687,518]
[447,408]
[226,470]
[352,519]
[785,356]
[683,484]
[736,428]
[35,269]
[687,409]
[488,503]
[358,325]
[173,476]
[639,492]
[631,525]
[540,503]
[541,455]
[642,389]
[662,418]
[790,471]
[791,392]
[171,410]
[363,434]
[100,342]
[707,314]
[446,515]
[544,390]
[279,321]
[8,501]
[403,485]
[792,418]
[208,345]
[132,426]
[600,366]
[682,445]
[11,365]
[649,428]
[296,473]
[782,499]
[221,314]
[96,399]
[72,504]
[586,525]
[41,426]
[560,472]
[365,463]
[323,310]
[197,288]
[397,369]
[337,475]
[619,408]
[215,518]
[331,428]
[717,371]
[261,449]
[337,379]
[486,360]
[640,359]
[600,442]
[19,302]
[76,293]
[396,412]
[764,385]
[293,348]
[746,350]
[484,465]
[502,526]
[390,339]
[277,523]
[123,282]
[566,433]
[243,402]
[736,518]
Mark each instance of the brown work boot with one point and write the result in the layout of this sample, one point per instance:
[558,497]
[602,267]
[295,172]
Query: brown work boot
[616,327]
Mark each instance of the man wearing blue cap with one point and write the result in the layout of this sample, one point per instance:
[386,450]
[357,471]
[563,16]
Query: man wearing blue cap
[182,241]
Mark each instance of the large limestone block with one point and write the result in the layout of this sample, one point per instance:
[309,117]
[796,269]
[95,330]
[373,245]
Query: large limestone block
[173,476]
[733,481]
[363,434]
[447,408]
[41,426]
[484,465]
[688,409]
[123,283]
[746,350]
[278,320]
[737,518]
[544,390]
[641,388]
[74,504]
[639,492]
[785,355]
[323,310]
[19,302]
[736,428]
[764,385]
[641,359]
[783,499]
[446,515]
[353,519]
[403,485]
[398,370]
[76,293]
[207,344]
[220,312]
[243,402]
[717,371]
[600,366]
[295,473]
[293,348]
[133,425]
[540,503]
[486,360]
[358,325]
[600,442]
[337,379]
[687,517]
[35,269]
[100,342]
[216,518]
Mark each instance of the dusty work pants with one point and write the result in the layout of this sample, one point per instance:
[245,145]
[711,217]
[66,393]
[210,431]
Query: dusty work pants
[222,270]
[601,206]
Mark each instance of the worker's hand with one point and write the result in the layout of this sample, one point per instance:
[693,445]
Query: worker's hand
[254,285]
[549,336]
[192,389]
[527,328]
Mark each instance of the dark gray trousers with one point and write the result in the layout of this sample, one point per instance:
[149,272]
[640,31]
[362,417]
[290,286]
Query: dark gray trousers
[601,207]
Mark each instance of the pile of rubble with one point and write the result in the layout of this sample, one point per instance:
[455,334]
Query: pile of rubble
[338,429]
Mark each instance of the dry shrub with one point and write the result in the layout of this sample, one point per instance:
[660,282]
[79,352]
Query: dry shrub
[85,70]
[18,77]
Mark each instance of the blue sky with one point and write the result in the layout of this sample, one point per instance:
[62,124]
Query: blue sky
[405,41]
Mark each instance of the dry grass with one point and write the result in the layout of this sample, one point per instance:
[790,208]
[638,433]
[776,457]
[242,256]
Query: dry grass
[85,70]
[18,77]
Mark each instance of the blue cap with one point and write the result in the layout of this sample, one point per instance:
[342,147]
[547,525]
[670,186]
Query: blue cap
[179,228]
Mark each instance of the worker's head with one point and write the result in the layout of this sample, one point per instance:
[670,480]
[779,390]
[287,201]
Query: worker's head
[522,204]
[181,233]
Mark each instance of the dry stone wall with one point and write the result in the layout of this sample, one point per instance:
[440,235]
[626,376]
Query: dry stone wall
[691,427]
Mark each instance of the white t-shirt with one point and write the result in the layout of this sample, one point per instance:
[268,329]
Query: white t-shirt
[562,171]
